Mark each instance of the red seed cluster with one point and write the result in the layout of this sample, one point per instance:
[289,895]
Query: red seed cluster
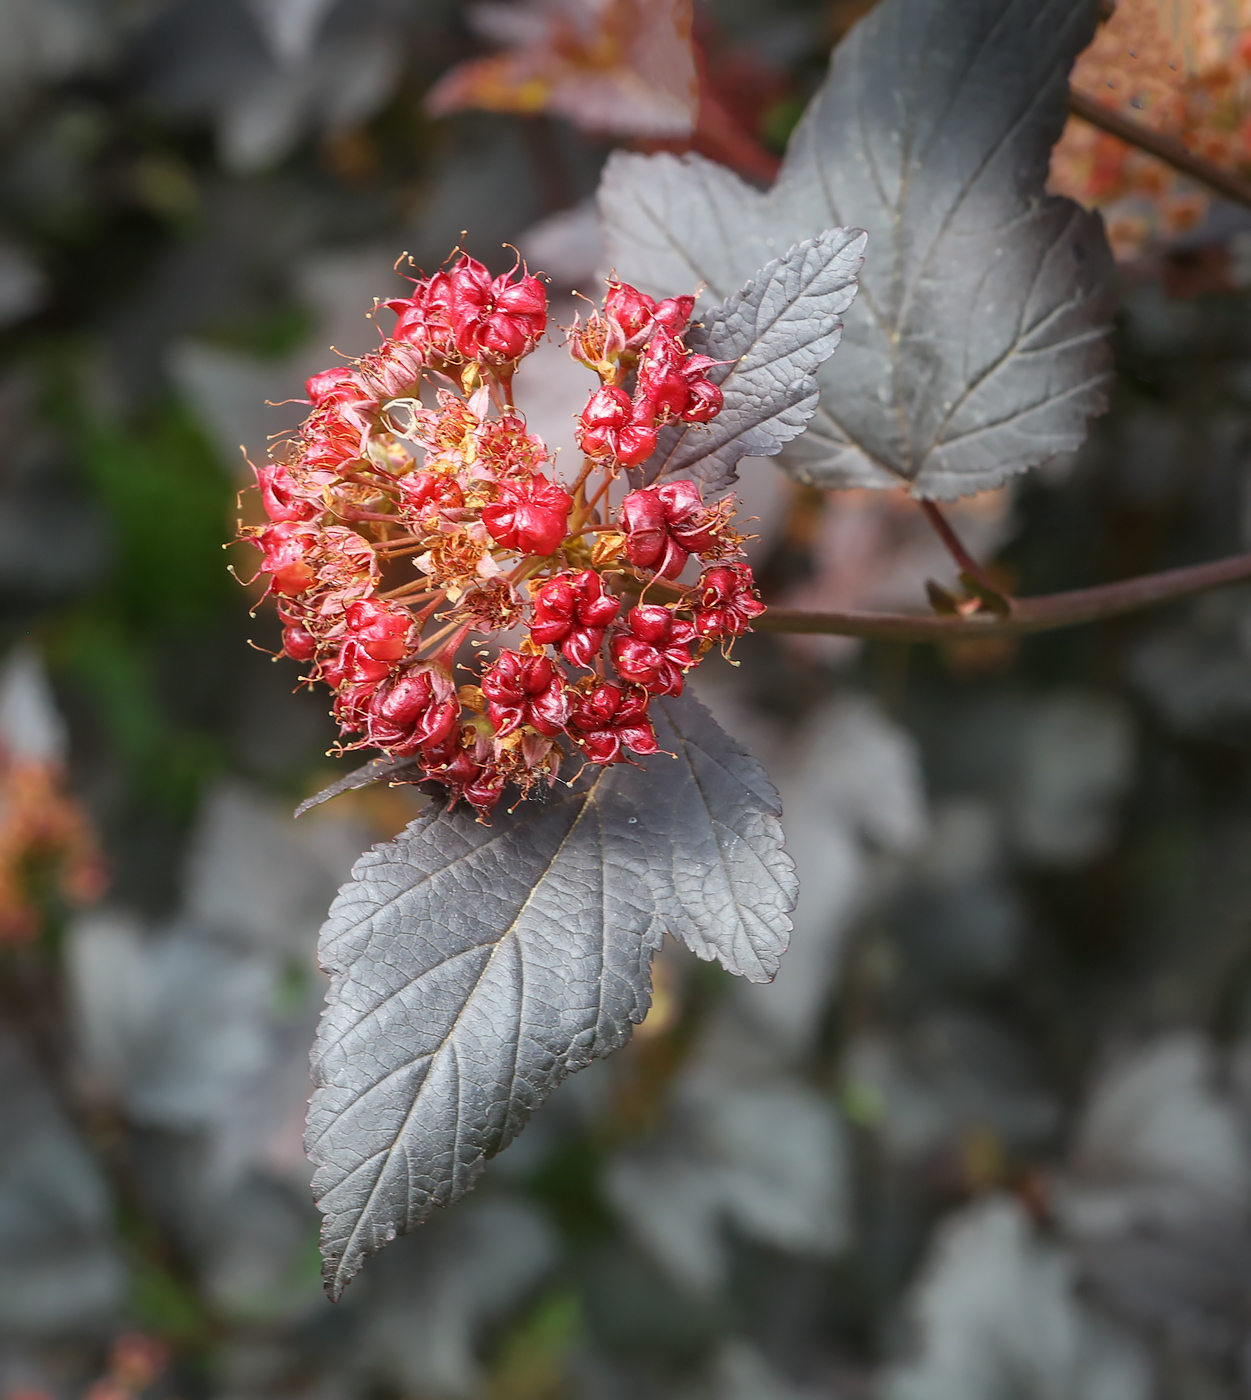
[637,337]
[414,514]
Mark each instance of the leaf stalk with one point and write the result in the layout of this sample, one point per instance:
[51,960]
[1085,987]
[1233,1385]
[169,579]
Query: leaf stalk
[955,547]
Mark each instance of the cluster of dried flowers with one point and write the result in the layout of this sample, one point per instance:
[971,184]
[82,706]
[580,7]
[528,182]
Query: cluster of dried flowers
[414,513]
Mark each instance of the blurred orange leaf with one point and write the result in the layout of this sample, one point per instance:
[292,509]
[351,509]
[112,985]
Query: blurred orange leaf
[622,66]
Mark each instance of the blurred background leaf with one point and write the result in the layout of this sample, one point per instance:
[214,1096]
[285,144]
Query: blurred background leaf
[986,1133]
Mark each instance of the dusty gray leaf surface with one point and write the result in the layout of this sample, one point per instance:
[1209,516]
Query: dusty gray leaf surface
[473,967]
[996,1312]
[717,1159]
[976,347]
[772,336]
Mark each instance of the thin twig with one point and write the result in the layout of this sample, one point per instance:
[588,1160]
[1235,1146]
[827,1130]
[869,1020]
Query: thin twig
[399,551]
[1042,614]
[411,592]
[1165,148]
[424,615]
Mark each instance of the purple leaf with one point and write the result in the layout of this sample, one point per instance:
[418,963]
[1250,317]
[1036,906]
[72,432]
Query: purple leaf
[473,967]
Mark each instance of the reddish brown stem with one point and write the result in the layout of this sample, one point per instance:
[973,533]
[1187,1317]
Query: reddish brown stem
[588,466]
[411,593]
[394,551]
[371,481]
[954,545]
[586,509]
[447,653]
[1042,614]
[427,642]
[436,602]
[600,494]
[1165,148]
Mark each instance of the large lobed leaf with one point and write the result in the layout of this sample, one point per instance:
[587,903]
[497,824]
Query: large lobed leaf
[976,347]
[473,966]
[771,338]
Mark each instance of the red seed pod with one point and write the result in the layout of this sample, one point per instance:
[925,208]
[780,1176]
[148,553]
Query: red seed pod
[705,402]
[335,386]
[652,623]
[525,690]
[665,525]
[298,642]
[672,383]
[726,601]
[530,516]
[282,496]
[429,494]
[445,746]
[285,546]
[572,611]
[635,444]
[425,318]
[614,425]
[662,384]
[350,701]
[333,437]
[654,651]
[610,718]
[635,314]
[438,308]
[417,710]
[479,784]
[381,629]
[646,526]
[358,667]
[519,317]
[460,769]
[602,419]
[484,793]
[470,283]
[633,311]
[690,523]
[498,320]
[674,313]
[554,603]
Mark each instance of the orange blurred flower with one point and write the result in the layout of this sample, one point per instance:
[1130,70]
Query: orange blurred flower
[40,822]
[41,825]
